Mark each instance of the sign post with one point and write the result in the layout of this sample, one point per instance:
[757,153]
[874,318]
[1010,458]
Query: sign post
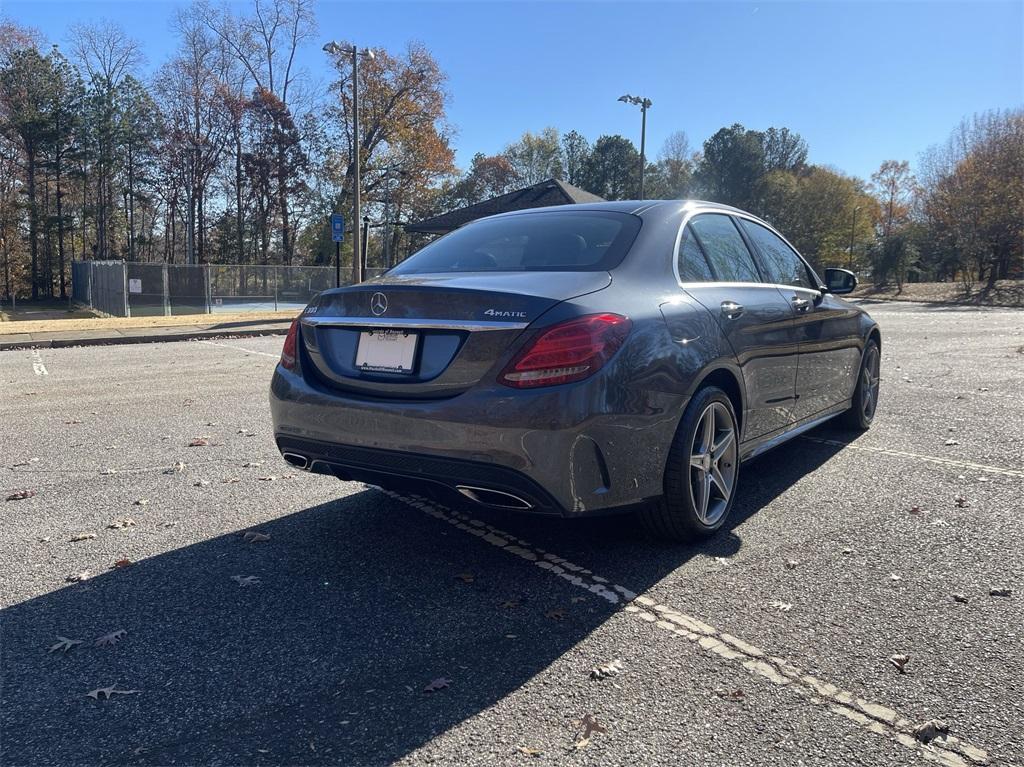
[337,233]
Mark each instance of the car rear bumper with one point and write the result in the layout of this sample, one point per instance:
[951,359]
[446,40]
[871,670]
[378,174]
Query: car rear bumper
[567,450]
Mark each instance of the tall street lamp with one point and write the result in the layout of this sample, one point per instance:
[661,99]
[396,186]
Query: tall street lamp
[336,49]
[853,226]
[644,105]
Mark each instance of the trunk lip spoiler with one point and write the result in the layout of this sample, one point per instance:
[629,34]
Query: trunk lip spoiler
[413,323]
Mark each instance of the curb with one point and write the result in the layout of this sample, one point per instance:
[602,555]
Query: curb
[63,343]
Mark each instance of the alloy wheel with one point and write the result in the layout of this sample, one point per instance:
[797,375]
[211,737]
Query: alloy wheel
[869,379]
[713,463]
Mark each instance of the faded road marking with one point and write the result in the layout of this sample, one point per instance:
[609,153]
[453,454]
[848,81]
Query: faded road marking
[37,364]
[953,463]
[240,349]
[881,720]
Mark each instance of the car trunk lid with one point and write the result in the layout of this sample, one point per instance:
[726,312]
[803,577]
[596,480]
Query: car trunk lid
[428,335]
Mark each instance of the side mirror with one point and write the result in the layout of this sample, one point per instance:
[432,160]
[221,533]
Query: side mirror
[840,281]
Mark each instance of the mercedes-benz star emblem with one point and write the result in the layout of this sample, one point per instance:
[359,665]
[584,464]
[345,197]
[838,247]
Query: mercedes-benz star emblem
[378,304]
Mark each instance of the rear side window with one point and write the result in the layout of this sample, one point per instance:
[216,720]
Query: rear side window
[563,241]
[725,249]
[783,264]
[693,267]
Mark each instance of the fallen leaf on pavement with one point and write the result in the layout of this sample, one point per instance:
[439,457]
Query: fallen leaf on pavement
[108,472]
[950,442]
[900,662]
[72,422]
[82,537]
[246,580]
[437,684]
[527,751]
[200,483]
[110,639]
[246,433]
[791,564]
[917,510]
[589,725]
[121,524]
[252,464]
[21,495]
[606,670]
[230,480]
[140,502]
[268,478]
[734,696]
[999,592]
[122,563]
[555,615]
[781,606]
[254,537]
[894,577]
[64,644]
[961,502]
[961,598]
[930,730]
[29,462]
[84,575]
[199,442]
[177,468]
[465,577]
[104,693]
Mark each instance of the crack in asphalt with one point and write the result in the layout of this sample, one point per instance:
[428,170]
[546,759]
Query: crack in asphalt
[948,751]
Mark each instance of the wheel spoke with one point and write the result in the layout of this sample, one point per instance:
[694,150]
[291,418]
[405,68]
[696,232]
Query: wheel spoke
[697,461]
[708,436]
[723,443]
[705,495]
[719,480]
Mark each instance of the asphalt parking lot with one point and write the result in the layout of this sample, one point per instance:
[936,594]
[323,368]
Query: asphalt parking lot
[770,644]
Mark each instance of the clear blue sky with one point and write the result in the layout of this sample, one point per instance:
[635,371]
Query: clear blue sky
[861,81]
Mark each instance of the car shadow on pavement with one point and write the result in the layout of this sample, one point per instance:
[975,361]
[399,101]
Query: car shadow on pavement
[361,604]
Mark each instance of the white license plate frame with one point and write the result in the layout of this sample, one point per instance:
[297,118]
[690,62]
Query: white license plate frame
[387,350]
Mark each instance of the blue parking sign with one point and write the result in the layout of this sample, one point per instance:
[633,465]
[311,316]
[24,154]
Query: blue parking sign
[337,227]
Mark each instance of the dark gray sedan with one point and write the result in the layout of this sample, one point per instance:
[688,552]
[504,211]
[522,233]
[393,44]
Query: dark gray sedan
[578,360]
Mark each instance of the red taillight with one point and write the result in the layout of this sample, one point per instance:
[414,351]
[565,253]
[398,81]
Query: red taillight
[290,351]
[570,351]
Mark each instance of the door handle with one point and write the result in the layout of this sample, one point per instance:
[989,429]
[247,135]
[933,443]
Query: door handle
[731,309]
[801,304]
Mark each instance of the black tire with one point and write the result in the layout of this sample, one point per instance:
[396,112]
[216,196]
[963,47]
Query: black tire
[677,515]
[863,407]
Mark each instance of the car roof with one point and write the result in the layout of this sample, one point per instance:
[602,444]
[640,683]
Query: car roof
[635,207]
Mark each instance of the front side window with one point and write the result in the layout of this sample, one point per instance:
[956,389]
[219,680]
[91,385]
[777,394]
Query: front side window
[725,249]
[783,264]
[693,266]
[563,241]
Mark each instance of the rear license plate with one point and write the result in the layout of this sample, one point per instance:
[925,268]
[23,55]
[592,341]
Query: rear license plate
[386,351]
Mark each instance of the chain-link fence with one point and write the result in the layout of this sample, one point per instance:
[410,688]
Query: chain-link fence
[127,289]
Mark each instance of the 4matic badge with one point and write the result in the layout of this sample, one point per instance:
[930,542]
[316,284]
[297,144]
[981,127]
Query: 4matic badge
[511,315]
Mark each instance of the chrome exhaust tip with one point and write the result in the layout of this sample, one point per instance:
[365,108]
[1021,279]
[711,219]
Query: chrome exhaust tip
[489,497]
[296,460]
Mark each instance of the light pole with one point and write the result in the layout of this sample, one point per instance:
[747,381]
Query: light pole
[853,226]
[644,105]
[335,49]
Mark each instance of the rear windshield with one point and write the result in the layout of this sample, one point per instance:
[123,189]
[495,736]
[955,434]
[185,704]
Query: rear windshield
[563,241]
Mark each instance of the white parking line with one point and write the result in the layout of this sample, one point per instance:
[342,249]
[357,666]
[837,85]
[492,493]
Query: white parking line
[240,349]
[881,720]
[37,364]
[920,457]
